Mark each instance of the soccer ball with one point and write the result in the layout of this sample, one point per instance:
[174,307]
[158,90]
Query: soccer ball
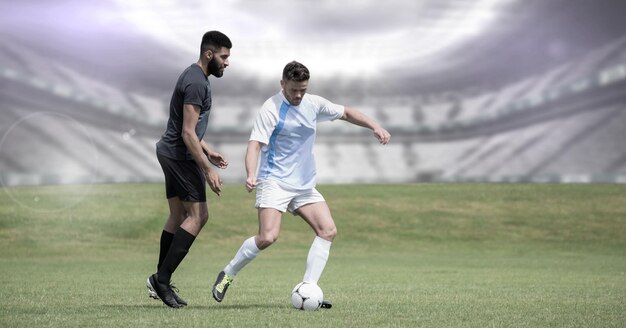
[307,296]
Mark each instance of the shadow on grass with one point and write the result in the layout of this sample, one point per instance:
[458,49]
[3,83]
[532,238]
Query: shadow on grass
[192,306]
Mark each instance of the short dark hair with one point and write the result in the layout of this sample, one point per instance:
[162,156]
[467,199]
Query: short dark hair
[295,71]
[213,40]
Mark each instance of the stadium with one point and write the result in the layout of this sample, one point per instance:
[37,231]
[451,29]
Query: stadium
[520,104]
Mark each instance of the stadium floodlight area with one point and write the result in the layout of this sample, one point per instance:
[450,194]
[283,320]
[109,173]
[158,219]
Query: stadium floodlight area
[447,25]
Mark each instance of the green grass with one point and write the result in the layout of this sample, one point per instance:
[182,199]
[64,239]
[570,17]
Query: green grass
[421,255]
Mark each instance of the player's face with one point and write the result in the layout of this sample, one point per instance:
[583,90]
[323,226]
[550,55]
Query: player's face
[219,61]
[294,91]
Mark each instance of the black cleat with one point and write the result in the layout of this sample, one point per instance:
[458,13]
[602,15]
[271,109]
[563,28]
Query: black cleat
[221,285]
[326,304]
[152,293]
[176,297]
[164,292]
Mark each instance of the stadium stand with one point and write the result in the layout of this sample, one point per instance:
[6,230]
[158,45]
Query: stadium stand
[564,125]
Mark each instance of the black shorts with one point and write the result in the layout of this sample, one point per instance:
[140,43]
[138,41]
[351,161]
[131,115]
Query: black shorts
[183,179]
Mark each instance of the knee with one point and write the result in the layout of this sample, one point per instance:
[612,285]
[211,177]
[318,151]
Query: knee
[180,218]
[203,217]
[176,218]
[266,240]
[328,234]
[174,221]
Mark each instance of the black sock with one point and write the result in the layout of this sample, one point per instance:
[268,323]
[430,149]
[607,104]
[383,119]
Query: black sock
[166,241]
[178,250]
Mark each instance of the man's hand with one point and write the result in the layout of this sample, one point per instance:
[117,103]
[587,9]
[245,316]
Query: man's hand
[250,183]
[214,181]
[382,135]
[217,159]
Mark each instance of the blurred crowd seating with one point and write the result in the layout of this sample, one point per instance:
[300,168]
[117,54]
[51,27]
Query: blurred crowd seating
[564,125]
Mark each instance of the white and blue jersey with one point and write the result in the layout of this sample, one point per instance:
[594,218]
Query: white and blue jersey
[288,134]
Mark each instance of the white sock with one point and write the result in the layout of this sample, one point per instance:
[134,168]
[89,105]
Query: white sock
[316,260]
[246,253]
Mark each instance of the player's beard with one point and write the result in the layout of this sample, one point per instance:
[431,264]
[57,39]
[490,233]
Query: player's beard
[214,68]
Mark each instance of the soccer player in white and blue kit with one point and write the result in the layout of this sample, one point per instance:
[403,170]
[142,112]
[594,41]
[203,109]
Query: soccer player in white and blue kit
[284,134]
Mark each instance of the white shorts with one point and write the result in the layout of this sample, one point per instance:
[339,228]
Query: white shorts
[269,194]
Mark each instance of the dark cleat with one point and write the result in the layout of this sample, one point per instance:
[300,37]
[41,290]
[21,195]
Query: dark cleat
[326,304]
[176,297]
[164,292]
[152,293]
[221,285]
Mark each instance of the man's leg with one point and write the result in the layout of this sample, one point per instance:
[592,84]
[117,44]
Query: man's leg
[269,228]
[318,216]
[175,219]
[197,216]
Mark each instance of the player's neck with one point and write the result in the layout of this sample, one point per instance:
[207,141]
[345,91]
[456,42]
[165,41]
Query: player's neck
[204,67]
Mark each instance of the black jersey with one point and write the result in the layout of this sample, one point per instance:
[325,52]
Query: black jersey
[192,87]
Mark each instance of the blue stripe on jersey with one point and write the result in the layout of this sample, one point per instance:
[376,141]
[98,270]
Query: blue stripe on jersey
[284,108]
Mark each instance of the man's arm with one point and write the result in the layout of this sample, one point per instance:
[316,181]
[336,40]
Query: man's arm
[190,119]
[355,117]
[205,148]
[252,159]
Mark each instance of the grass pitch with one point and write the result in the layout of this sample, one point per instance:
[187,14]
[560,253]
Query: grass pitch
[420,255]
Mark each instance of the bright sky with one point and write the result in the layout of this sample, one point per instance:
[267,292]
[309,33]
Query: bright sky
[348,38]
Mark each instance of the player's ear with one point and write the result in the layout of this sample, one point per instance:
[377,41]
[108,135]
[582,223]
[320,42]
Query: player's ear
[209,54]
[282,84]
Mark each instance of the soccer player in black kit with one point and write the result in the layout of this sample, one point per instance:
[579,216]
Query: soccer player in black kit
[186,162]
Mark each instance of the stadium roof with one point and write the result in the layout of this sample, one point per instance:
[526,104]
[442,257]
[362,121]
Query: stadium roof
[425,45]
